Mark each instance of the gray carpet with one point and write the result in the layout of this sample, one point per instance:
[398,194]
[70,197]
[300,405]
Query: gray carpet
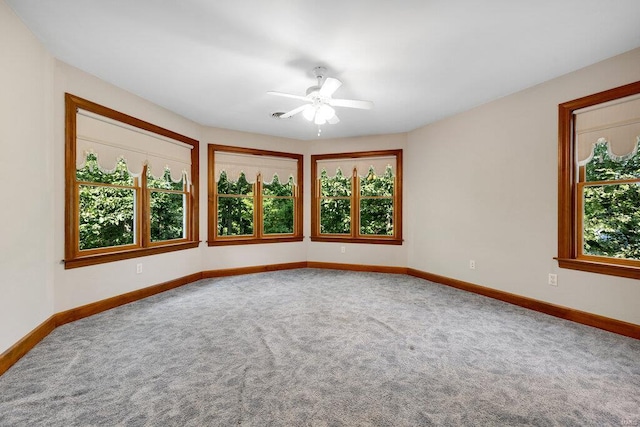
[324,348]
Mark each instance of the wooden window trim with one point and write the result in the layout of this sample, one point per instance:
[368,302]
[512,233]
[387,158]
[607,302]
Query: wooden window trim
[73,256]
[569,235]
[354,236]
[258,237]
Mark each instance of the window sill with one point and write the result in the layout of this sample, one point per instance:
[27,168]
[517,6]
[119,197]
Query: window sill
[128,254]
[600,267]
[369,240]
[254,241]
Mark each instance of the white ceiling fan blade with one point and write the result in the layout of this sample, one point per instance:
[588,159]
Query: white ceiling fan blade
[288,95]
[329,86]
[333,120]
[351,103]
[293,112]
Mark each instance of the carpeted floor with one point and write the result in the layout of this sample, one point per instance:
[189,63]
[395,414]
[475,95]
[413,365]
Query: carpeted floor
[324,348]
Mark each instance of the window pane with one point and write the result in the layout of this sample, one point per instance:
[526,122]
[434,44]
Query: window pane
[91,173]
[278,189]
[278,216]
[337,186]
[603,168]
[373,185]
[611,221]
[165,183]
[335,216]
[235,216]
[167,216]
[241,186]
[376,217]
[106,216]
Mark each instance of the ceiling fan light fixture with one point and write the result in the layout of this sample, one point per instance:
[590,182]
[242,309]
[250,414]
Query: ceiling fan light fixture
[326,112]
[309,113]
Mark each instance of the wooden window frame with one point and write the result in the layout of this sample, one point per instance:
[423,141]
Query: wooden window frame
[258,234]
[355,236]
[569,202]
[74,257]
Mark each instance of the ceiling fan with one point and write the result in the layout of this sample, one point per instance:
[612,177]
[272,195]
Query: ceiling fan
[319,103]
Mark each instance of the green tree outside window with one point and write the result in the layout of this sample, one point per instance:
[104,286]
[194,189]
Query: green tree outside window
[107,205]
[611,205]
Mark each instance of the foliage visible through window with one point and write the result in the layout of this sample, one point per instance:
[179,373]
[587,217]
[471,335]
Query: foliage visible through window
[255,197]
[235,206]
[168,202]
[611,205]
[376,203]
[335,203]
[375,209]
[109,202]
[361,206]
[278,204]
[236,203]
[107,206]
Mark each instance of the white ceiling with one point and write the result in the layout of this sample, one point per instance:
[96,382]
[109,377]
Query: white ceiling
[417,60]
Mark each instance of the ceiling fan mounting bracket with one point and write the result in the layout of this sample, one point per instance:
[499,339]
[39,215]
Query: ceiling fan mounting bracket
[319,72]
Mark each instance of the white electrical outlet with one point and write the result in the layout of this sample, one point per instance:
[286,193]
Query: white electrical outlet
[138,268]
[472,264]
[343,249]
[553,279]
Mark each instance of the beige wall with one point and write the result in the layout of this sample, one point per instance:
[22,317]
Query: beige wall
[26,226]
[483,186]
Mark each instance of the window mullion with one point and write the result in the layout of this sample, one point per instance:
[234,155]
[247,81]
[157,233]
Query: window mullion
[578,229]
[257,208]
[355,204]
[610,182]
[579,236]
[76,220]
[213,213]
[143,209]
[297,226]
[317,202]
[188,191]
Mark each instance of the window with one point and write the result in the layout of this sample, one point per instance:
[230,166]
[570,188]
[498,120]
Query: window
[255,196]
[131,186]
[599,183]
[357,197]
